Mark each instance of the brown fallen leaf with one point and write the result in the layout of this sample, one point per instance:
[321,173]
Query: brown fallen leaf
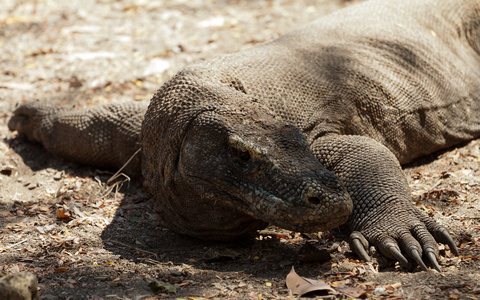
[393,286]
[158,286]
[354,292]
[61,270]
[63,214]
[300,285]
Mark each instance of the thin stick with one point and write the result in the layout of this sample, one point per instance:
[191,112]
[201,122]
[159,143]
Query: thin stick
[115,176]
[138,249]
[11,246]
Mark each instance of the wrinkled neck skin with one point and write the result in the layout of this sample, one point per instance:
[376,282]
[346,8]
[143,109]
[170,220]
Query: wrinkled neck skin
[229,162]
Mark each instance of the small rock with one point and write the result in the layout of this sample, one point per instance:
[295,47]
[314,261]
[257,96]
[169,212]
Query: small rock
[346,266]
[45,229]
[78,185]
[7,170]
[31,186]
[429,290]
[101,278]
[19,286]
[175,273]
[58,176]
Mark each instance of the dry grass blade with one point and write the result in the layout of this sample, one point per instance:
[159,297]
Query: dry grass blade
[117,185]
[119,172]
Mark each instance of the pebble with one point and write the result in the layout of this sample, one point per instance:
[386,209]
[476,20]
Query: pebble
[175,273]
[57,176]
[346,266]
[31,186]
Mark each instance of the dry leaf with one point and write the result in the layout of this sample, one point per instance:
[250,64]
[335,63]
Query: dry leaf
[158,286]
[63,214]
[61,270]
[339,283]
[393,286]
[354,292]
[300,285]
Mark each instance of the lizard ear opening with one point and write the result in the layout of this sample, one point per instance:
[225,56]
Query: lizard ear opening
[235,83]
[238,85]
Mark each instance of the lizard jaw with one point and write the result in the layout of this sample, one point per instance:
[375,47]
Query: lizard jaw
[270,208]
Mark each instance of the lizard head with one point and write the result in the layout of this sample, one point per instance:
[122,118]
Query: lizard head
[264,168]
[232,159]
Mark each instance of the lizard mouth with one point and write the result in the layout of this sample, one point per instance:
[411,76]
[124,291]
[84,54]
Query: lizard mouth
[291,214]
[295,215]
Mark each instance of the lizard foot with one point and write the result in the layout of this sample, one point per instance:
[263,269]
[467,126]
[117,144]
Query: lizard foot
[27,119]
[405,239]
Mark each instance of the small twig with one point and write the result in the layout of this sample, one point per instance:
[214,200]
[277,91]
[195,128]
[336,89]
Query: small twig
[435,185]
[138,249]
[153,261]
[117,186]
[11,246]
[116,175]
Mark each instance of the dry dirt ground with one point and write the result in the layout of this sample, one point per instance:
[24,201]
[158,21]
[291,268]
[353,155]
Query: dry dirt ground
[86,240]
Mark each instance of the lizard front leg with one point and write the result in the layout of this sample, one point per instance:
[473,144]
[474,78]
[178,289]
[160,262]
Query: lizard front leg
[103,136]
[383,214]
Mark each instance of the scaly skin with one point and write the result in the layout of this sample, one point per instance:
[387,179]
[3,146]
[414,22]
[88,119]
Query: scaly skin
[299,131]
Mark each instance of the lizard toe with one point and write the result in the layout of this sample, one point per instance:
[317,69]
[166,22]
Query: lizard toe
[429,245]
[394,251]
[440,233]
[415,254]
[390,248]
[28,117]
[432,258]
[25,125]
[386,242]
[359,245]
[26,120]
[17,123]
[409,242]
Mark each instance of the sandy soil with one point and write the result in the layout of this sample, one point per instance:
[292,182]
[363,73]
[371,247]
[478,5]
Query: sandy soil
[85,240]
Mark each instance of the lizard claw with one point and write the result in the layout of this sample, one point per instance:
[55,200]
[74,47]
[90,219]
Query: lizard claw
[433,260]
[415,254]
[444,237]
[416,236]
[395,252]
[359,244]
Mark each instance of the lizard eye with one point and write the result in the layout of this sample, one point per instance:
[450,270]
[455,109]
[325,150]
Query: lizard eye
[244,156]
[244,153]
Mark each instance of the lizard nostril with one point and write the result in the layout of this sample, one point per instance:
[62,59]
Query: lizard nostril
[313,200]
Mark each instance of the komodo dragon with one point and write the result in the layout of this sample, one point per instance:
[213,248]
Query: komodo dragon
[299,131]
